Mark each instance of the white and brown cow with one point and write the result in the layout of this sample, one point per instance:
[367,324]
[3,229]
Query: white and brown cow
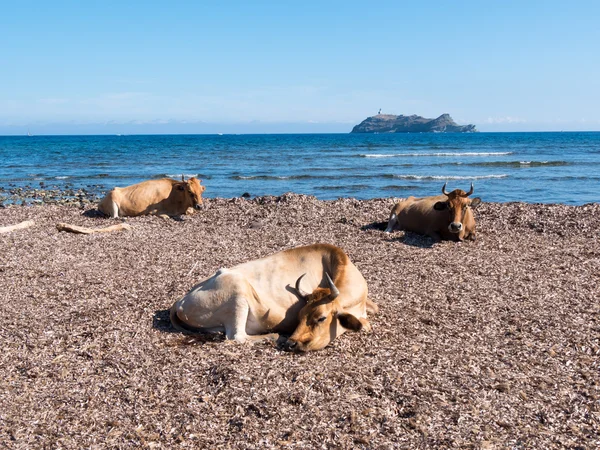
[312,294]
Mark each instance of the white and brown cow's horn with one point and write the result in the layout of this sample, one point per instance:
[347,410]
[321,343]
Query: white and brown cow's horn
[334,291]
[444,188]
[300,292]
[470,192]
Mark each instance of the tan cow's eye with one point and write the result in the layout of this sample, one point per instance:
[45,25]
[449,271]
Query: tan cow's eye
[321,319]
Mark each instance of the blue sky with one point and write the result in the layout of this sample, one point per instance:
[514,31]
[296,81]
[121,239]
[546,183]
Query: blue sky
[86,67]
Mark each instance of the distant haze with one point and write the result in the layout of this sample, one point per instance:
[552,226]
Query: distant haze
[312,67]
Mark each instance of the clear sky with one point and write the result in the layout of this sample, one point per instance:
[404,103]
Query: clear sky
[282,66]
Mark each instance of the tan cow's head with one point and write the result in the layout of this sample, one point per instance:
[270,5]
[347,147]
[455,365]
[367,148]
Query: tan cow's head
[457,205]
[321,319]
[193,189]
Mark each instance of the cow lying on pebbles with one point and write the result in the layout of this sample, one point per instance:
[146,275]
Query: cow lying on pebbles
[164,197]
[448,216]
[255,298]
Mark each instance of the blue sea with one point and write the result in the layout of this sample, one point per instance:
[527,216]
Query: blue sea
[531,167]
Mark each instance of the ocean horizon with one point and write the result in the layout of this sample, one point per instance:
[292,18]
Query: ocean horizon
[533,167]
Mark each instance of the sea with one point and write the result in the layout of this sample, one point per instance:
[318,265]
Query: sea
[556,167]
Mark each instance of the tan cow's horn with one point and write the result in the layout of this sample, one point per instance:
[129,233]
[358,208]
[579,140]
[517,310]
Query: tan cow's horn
[334,291]
[444,188]
[470,192]
[300,292]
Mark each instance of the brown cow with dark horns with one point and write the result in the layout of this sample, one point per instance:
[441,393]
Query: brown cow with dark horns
[447,216]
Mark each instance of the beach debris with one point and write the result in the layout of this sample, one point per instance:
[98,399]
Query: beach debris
[19,226]
[83,230]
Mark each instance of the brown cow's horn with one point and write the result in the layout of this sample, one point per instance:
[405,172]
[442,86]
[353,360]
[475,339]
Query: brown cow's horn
[182,177]
[470,192]
[334,291]
[300,292]
[444,188]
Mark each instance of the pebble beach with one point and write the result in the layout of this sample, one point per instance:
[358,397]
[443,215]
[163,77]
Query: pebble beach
[486,344]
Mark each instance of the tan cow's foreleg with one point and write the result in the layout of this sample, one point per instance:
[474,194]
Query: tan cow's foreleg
[366,325]
[392,223]
[109,208]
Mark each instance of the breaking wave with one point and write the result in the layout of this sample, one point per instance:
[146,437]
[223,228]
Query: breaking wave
[452,177]
[272,177]
[400,155]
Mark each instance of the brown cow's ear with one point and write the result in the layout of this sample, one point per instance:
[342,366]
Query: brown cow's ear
[350,322]
[440,206]
[475,202]
[181,186]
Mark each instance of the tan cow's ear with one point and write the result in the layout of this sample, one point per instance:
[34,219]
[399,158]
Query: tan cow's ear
[475,202]
[350,322]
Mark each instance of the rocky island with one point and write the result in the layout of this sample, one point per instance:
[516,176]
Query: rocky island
[389,123]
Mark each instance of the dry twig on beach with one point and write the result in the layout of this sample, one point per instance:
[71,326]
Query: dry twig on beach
[19,226]
[83,230]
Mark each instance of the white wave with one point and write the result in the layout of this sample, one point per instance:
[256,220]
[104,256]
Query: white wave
[396,155]
[61,178]
[186,175]
[440,177]
[262,177]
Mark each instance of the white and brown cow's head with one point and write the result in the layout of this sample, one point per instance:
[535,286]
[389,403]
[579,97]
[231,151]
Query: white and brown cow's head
[321,320]
[457,204]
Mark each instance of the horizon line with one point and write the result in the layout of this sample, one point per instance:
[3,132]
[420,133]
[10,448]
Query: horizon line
[288,133]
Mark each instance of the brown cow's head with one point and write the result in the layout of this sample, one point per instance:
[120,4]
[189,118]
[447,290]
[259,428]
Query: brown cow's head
[194,189]
[457,204]
[320,320]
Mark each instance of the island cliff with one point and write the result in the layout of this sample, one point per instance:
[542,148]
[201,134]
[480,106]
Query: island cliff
[389,123]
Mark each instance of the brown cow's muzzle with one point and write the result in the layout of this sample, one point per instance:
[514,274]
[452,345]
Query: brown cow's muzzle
[455,227]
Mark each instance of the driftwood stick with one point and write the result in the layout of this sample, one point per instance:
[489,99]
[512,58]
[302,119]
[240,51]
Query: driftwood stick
[18,226]
[83,230]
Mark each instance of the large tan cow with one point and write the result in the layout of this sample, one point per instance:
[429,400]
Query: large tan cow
[257,297]
[447,216]
[160,197]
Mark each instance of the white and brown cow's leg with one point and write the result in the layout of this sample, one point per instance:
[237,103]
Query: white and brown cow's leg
[235,328]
